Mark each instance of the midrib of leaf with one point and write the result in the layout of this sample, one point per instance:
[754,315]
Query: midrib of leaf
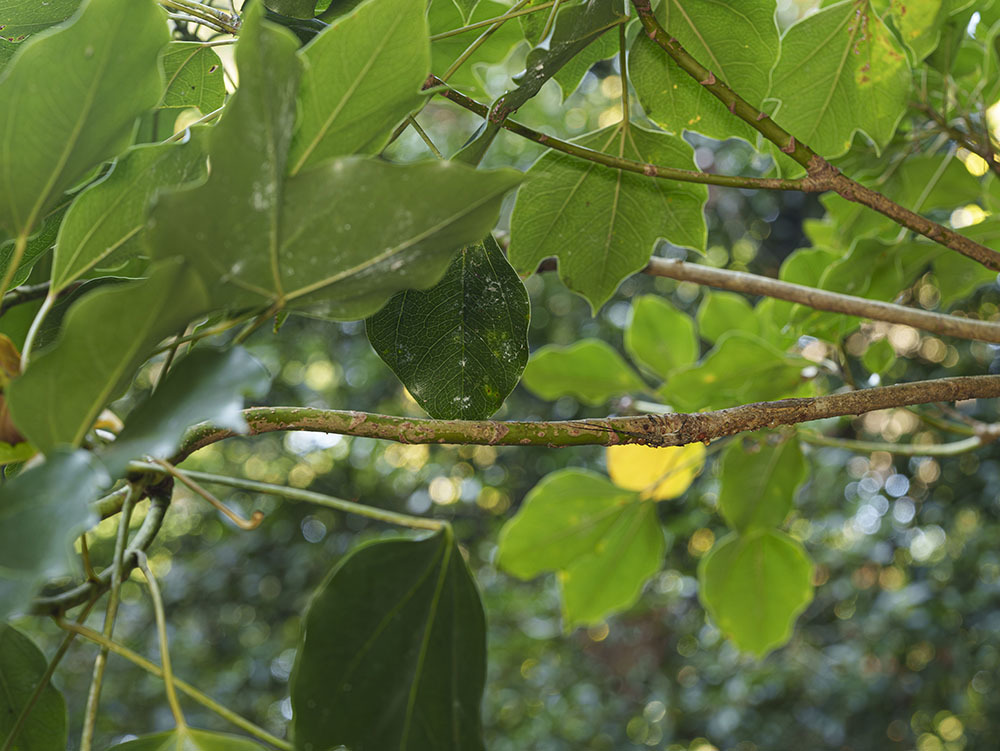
[626,526]
[764,478]
[388,253]
[422,655]
[694,30]
[347,95]
[660,186]
[177,72]
[590,523]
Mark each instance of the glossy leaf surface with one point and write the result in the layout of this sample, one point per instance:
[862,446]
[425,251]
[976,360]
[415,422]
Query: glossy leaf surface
[460,346]
[591,370]
[406,670]
[22,665]
[757,486]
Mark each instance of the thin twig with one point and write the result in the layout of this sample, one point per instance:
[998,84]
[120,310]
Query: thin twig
[185,477]
[900,449]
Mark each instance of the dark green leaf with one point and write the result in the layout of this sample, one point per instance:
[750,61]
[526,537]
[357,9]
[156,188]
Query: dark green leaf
[460,346]
[660,337]
[362,77]
[603,541]
[758,485]
[41,511]
[86,84]
[721,312]
[591,370]
[189,739]
[105,222]
[19,20]
[194,77]
[303,9]
[406,670]
[841,71]
[22,665]
[754,586]
[206,386]
[107,335]
[738,42]
[624,213]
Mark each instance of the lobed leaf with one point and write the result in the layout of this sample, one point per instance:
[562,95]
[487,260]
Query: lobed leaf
[590,370]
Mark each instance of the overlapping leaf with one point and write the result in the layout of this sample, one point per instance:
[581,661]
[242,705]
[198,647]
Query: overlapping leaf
[659,473]
[362,76]
[721,312]
[340,238]
[189,739]
[602,223]
[70,101]
[857,76]
[603,541]
[194,77]
[22,666]
[738,42]
[591,370]
[106,336]
[41,511]
[460,346]
[19,20]
[660,337]
[754,586]
[407,669]
[38,245]
[758,486]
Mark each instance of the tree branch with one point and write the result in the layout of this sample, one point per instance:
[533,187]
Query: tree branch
[821,174]
[674,429]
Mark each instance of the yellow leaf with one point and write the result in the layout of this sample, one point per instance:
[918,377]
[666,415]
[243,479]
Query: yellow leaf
[659,473]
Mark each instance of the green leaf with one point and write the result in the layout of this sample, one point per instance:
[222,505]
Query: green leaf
[879,357]
[339,239]
[738,42]
[740,368]
[302,9]
[42,510]
[624,213]
[570,75]
[22,665]
[194,77]
[590,370]
[660,337]
[189,739]
[841,71]
[70,100]
[38,245]
[754,586]
[721,312]
[19,20]
[362,77]
[206,386]
[407,668]
[603,541]
[956,276]
[466,8]
[757,486]
[460,346]
[919,24]
[105,222]
[106,336]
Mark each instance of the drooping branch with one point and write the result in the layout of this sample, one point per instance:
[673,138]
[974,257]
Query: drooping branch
[675,429]
[824,176]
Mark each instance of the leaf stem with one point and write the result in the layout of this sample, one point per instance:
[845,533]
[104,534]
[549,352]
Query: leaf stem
[900,449]
[622,43]
[161,630]
[245,524]
[205,14]
[182,686]
[550,21]
[36,325]
[489,21]
[423,135]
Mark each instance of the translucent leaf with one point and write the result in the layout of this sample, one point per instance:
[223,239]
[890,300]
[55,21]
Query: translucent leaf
[660,337]
[754,586]
[721,312]
[591,370]
[879,357]
[407,668]
[603,541]
[22,665]
[857,76]
[919,23]
[194,77]
[624,213]
[758,486]
[658,473]
[189,739]
[460,346]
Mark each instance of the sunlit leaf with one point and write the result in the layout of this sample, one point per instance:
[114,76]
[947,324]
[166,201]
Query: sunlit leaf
[106,336]
[22,665]
[406,670]
[208,385]
[194,77]
[41,511]
[623,213]
[189,739]
[858,74]
[879,357]
[660,337]
[70,100]
[721,312]
[362,77]
[919,23]
[591,370]
[460,346]
[40,244]
[758,483]
[658,473]
[754,586]
[604,543]
[738,42]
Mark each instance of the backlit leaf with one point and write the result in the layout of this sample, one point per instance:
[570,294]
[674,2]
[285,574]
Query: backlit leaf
[721,312]
[189,739]
[406,670]
[591,370]
[22,665]
[658,473]
[194,77]
[757,486]
[754,586]
[460,346]
[660,337]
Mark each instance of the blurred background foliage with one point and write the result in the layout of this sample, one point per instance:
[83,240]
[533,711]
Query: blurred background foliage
[899,650]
